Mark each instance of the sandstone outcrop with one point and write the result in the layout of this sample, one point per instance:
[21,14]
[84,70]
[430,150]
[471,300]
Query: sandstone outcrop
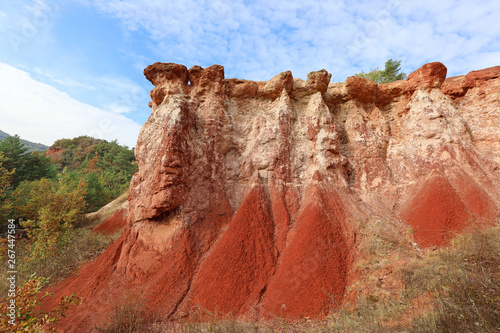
[247,191]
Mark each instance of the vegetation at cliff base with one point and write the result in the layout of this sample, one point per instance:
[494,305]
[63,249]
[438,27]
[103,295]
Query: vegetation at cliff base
[48,195]
[27,318]
[99,170]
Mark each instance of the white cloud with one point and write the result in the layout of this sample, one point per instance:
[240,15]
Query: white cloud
[258,39]
[62,81]
[115,94]
[27,22]
[119,94]
[38,112]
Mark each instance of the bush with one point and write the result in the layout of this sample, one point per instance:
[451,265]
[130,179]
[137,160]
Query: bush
[52,208]
[5,180]
[126,317]
[79,247]
[25,318]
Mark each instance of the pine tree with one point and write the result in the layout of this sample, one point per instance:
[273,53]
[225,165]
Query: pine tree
[15,158]
[390,73]
[26,166]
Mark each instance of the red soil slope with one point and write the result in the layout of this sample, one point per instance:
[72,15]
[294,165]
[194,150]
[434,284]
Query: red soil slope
[309,277]
[241,262]
[114,223]
[439,211]
[436,213]
[312,274]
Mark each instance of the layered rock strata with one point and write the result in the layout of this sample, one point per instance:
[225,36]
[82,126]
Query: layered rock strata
[247,191]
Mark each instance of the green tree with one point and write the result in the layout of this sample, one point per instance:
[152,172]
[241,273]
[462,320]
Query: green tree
[15,158]
[5,179]
[117,169]
[26,166]
[40,166]
[5,175]
[390,73]
[52,209]
[106,166]
[95,196]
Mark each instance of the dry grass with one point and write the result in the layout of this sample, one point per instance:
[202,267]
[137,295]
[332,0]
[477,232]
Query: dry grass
[227,325]
[465,283]
[79,247]
[373,302]
[127,317]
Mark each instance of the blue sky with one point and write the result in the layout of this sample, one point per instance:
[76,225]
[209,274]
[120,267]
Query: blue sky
[74,67]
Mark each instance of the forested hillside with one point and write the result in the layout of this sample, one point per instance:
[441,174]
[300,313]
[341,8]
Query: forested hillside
[86,173]
[32,146]
[106,166]
[47,195]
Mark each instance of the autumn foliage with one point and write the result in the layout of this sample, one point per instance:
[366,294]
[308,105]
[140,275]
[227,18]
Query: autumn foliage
[25,317]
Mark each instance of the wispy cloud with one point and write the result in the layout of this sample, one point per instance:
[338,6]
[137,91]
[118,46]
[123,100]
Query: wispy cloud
[115,94]
[100,64]
[26,21]
[48,76]
[260,38]
[120,95]
[41,113]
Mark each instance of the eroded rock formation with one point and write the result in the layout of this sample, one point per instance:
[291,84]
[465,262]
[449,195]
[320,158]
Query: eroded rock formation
[246,191]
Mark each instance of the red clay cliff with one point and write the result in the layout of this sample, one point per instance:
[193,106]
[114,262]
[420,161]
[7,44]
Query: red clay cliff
[247,191]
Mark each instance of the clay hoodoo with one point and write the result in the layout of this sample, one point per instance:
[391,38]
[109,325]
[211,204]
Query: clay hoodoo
[247,192]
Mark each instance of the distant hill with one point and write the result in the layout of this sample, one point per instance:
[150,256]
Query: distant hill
[31,145]
[3,135]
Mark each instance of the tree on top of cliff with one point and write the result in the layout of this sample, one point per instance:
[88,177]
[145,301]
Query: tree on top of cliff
[389,74]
